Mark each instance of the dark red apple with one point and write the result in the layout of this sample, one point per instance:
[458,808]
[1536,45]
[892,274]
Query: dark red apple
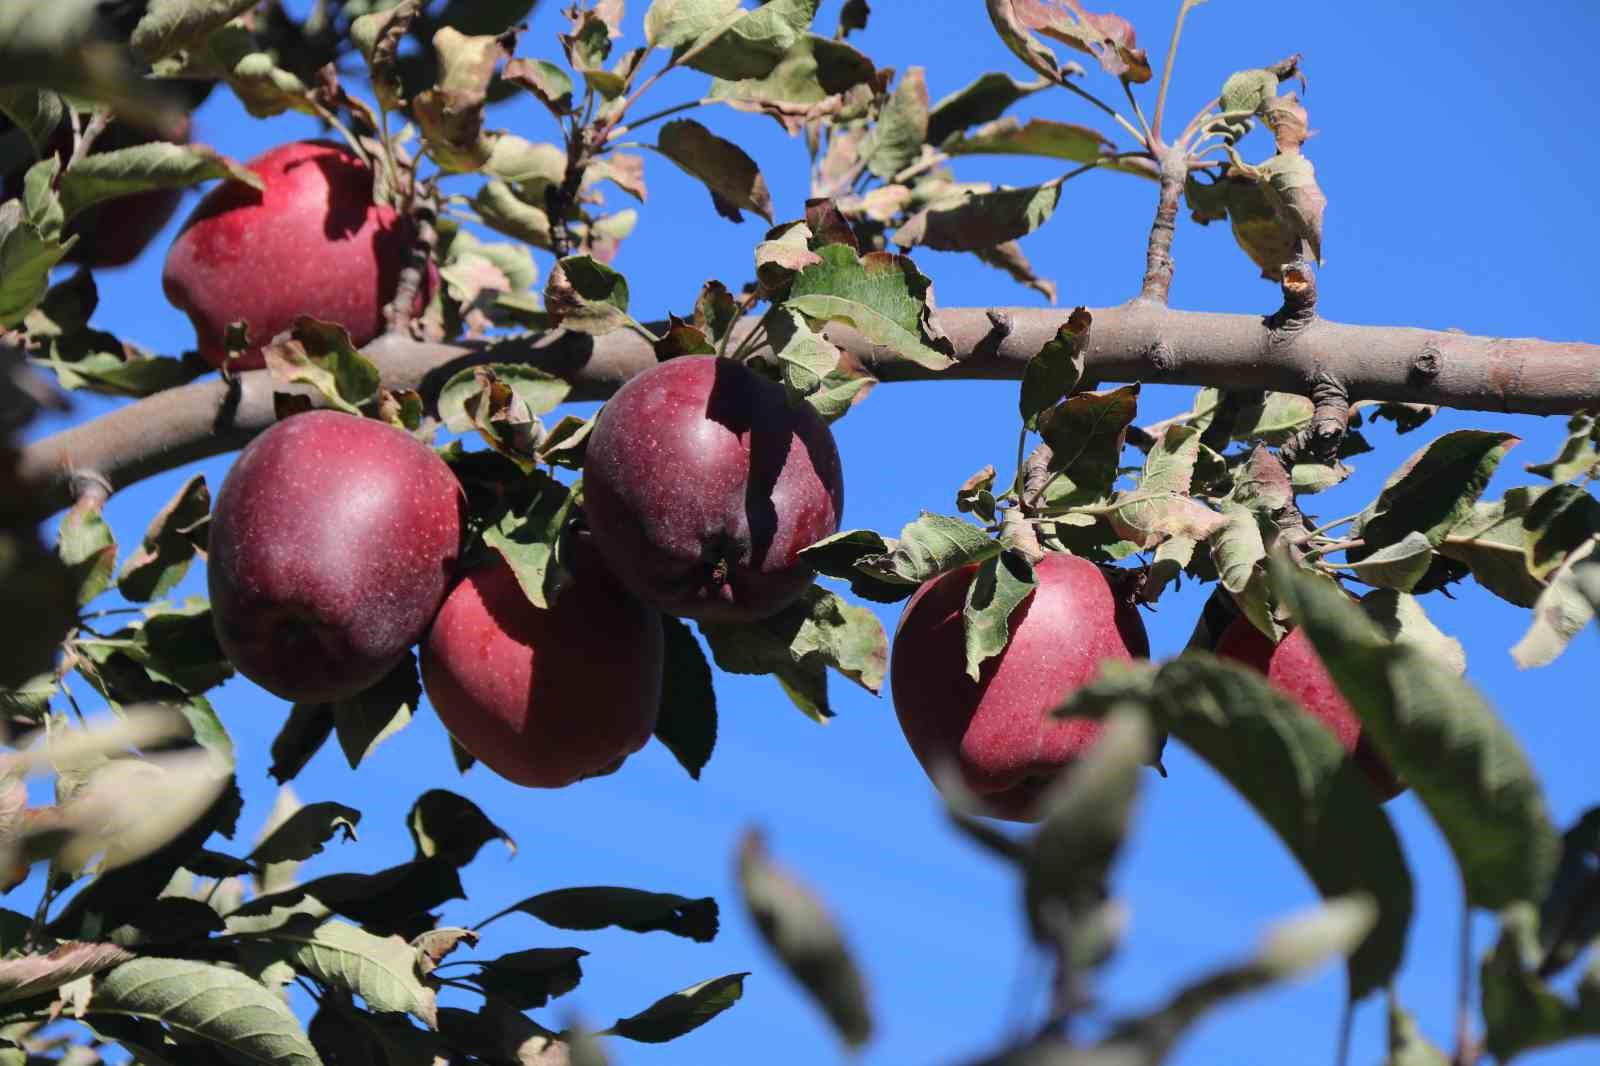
[332,543]
[545,697]
[997,730]
[313,244]
[112,233]
[1292,666]
[703,482]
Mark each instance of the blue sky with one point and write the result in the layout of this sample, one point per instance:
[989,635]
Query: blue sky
[1457,152]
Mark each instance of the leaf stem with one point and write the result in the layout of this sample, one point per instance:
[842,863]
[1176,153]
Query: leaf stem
[1347,1022]
[1103,106]
[1138,113]
[1465,1048]
[1166,70]
[663,113]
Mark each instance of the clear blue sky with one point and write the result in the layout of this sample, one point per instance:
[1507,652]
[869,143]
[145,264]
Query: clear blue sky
[1457,151]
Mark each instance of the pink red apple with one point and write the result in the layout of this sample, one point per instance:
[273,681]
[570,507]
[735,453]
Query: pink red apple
[703,482]
[332,543]
[545,697]
[997,731]
[313,243]
[112,233]
[1292,666]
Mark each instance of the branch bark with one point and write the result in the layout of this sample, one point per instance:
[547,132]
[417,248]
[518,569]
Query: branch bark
[1141,341]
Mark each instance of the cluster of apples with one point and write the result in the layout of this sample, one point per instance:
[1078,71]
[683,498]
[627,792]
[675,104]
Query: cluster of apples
[335,541]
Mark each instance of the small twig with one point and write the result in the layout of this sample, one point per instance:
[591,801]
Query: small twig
[83,140]
[1158,268]
[1166,69]
[409,289]
[745,305]
[1347,1023]
[1466,1047]
[1194,123]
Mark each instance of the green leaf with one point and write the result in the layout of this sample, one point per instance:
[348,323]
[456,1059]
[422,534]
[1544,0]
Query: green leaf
[503,211]
[1562,610]
[818,630]
[722,166]
[1002,582]
[541,391]
[1407,1045]
[1085,434]
[87,547]
[932,545]
[388,901]
[1441,738]
[1564,519]
[752,43]
[1493,542]
[984,100]
[1085,818]
[368,718]
[1433,491]
[380,969]
[836,556]
[1159,507]
[545,80]
[38,113]
[1520,1011]
[169,544]
[881,295]
[307,728]
[1401,619]
[527,980]
[122,172]
[972,221]
[796,925]
[26,256]
[687,724]
[804,354]
[896,141]
[1580,452]
[529,540]
[452,827]
[1396,566]
[320,354]
[1568,922]
[1052,375]
[682,1012]
[670,23]
[1038,137]
[807,82]
[170,25]
[304,833]
[1337,927]
[1248,90]
[209,1003]
[1291,188]
[1290,768]
[585,295]
[633,909]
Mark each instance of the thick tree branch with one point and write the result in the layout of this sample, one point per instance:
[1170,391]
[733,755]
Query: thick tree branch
[1138,342]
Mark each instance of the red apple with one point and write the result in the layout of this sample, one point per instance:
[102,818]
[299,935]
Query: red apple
[332,543]
[997,730]
[703,482]
[313,244]
[545,697]
[114,232]
[1292,666]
